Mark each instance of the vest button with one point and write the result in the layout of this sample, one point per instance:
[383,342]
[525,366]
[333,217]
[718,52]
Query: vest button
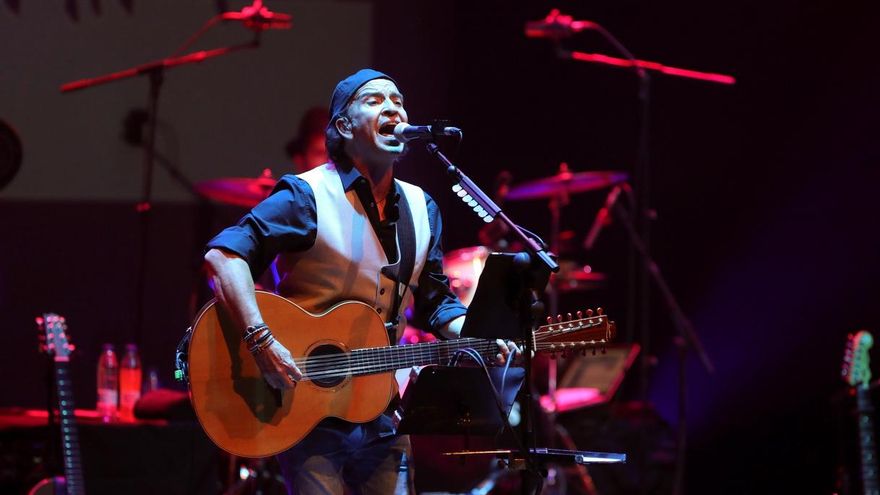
[382,292]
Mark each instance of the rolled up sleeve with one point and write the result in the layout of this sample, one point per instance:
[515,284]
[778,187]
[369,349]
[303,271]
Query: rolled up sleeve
[285,221]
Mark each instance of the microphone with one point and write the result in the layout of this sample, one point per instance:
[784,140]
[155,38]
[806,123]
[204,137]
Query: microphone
[602,218]
[556,26]
[256,17]
[405,132]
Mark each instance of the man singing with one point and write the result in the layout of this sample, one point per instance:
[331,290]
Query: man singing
[347,230]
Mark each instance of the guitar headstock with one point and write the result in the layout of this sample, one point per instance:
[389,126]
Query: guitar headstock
[583,330]
[53,336]
[856,369]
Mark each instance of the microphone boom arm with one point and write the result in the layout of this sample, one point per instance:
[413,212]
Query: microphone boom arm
[488,211]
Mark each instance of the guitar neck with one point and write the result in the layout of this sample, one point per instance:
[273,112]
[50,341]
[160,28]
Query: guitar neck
[866,442]
[384,359]
[69,435]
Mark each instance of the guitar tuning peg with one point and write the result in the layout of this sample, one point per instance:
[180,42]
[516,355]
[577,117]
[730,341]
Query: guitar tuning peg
[569,316]
[599,311]
[589,313]
[580,315]
[558,318]
[550,320]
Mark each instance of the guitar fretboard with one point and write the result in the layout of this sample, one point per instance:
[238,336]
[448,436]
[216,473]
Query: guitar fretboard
[69,435]
[382,359]
[866,442]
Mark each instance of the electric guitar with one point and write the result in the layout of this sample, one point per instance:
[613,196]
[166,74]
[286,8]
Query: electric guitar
[857,374]
[347,363]
[55,343]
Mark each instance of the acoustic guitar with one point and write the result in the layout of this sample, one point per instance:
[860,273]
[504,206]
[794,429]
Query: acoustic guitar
[54,342]
[856,373]
[347,362]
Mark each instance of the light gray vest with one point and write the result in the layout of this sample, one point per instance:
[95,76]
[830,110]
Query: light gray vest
[346,261]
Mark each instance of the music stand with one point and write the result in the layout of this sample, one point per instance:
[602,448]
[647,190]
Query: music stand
[497,310]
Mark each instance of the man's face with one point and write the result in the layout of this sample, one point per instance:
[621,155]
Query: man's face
[374,111]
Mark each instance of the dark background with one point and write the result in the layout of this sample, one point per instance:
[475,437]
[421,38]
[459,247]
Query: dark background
[765,192]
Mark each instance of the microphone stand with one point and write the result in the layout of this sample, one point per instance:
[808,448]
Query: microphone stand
[640,232]
[156,72]
[540,261]
[687,336]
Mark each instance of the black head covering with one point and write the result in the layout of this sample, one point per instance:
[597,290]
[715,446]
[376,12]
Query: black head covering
[342,95]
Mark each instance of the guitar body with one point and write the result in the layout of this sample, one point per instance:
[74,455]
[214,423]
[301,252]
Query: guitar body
[243,415]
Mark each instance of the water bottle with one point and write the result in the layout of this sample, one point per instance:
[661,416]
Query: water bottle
[129,382]
[152,384]
[108,379]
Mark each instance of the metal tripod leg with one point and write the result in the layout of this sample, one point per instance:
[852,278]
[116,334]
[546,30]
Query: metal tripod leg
[583,474]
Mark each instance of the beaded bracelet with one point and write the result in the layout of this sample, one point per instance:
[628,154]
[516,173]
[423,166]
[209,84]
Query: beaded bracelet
[258,348]
[250,331]
[262,338]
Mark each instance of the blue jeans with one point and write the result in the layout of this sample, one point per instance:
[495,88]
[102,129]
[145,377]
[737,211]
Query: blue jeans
[366,458]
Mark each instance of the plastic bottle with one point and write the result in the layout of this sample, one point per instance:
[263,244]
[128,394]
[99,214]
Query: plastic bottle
[108,379]
[130,377]
[152,383]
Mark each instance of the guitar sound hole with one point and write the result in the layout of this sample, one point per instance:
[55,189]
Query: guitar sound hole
[331,366]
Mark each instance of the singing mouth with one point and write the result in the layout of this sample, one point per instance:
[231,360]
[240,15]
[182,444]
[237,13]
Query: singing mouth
[388,129]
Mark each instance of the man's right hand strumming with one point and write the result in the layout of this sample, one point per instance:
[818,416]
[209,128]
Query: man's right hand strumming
[278,367]
[234,287]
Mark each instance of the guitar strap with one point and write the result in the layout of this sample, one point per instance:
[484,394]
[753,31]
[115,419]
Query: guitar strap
[406,241]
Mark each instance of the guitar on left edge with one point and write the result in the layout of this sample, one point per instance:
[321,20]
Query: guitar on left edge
[54,342]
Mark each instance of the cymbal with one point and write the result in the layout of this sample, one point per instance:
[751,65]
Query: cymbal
[238,191]
[565,182]
[573,276]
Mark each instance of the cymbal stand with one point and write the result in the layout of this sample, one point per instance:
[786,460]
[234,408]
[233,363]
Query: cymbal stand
[555,205]
[686,338]
[639,227]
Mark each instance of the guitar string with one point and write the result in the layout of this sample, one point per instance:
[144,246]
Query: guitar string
[369,369]
[394,357]
[404,354]
[539,337]
[388,363]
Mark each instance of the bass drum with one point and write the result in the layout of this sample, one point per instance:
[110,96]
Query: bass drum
[463,267]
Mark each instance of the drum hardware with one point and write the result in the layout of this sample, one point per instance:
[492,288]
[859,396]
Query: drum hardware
[238,191]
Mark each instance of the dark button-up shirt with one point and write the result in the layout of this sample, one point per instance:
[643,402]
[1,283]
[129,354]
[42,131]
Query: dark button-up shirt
[287,221]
